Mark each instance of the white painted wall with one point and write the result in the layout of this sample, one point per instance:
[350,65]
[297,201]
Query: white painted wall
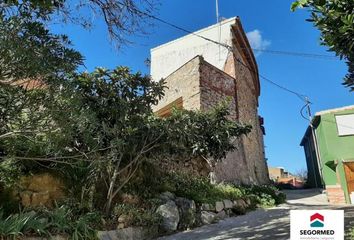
[167,58]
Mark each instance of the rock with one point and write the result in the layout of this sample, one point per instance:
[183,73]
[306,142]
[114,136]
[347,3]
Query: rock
[229,212]
[40,199]
[187,212]
[221,215]
[208,207]
[167,196]
[248,201]
[207,217]
[56,237]
[241,203]
[41,189]
[240,206]
[120,226]
[170,216]
[123,221]
[228,204]
[26,198]
[219,206]
[107,235]
[130,233]
[122,218]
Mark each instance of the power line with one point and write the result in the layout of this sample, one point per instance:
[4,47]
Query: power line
[302,112]
[297,54]
[324,120]
[290,53]
[299,95]
[230,48]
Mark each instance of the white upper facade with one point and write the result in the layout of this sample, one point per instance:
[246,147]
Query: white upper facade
[167,58]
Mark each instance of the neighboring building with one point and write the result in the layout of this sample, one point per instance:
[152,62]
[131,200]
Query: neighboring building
[329,151]
[283,178]
[200,74]
[290,182]
[277,172]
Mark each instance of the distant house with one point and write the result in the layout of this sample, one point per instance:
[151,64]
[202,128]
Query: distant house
[281,177]
[277,172]
[329,151]
[200,74]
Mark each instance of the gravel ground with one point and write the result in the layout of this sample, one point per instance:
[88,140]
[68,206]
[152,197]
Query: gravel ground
[273,223]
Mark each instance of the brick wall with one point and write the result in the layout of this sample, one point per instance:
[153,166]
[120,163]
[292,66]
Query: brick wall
[335,194]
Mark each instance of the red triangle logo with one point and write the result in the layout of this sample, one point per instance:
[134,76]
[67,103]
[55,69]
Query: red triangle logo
[317,216]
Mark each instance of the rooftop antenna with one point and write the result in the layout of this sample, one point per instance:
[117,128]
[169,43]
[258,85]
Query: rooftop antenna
[218,22]
[217,11]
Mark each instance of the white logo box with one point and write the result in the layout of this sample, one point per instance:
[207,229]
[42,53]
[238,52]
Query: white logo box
[332,229]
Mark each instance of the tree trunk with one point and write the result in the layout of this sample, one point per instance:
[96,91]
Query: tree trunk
[110,191]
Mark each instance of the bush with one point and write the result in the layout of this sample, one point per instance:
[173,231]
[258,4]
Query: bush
[8,203]
[199,189]
[61,221]
[21,223]
[351,233]
[266,195]
[137,216]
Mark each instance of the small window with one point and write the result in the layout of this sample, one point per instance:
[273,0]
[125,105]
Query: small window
[345,124]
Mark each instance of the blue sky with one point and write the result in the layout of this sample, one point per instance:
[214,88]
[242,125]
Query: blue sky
[271,25]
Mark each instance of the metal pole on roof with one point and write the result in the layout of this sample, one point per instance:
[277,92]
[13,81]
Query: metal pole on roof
[218,22]
[217,11]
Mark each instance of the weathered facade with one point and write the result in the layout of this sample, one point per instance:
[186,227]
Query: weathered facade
[199,74]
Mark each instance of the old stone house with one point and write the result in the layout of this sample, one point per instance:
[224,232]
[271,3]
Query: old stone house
[199,74]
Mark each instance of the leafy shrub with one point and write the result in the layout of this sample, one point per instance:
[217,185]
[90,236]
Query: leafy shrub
[350,234]
[45,223]
[199,189]
[21,223]
[265,195]
[137,216]
[8,203]
[64,220]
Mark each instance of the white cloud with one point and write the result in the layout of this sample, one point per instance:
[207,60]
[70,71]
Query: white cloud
[257,42]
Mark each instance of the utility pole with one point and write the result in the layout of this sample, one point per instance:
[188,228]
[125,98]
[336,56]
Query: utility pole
[314,137]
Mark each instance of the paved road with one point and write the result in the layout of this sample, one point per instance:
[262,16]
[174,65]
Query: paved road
[271,223]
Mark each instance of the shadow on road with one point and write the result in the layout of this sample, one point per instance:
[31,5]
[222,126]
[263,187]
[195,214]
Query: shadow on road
[299,194]
[260,224]
[265,224]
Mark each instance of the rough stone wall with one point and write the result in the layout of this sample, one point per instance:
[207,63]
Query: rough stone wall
[184,83]
[202,86]
[247,112]
[41,190]
[216,86]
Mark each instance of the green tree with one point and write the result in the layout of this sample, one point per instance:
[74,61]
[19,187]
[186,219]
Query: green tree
[33,59]
[123,131]
[29,51]
[123,18]
[101,122]
[335,20]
